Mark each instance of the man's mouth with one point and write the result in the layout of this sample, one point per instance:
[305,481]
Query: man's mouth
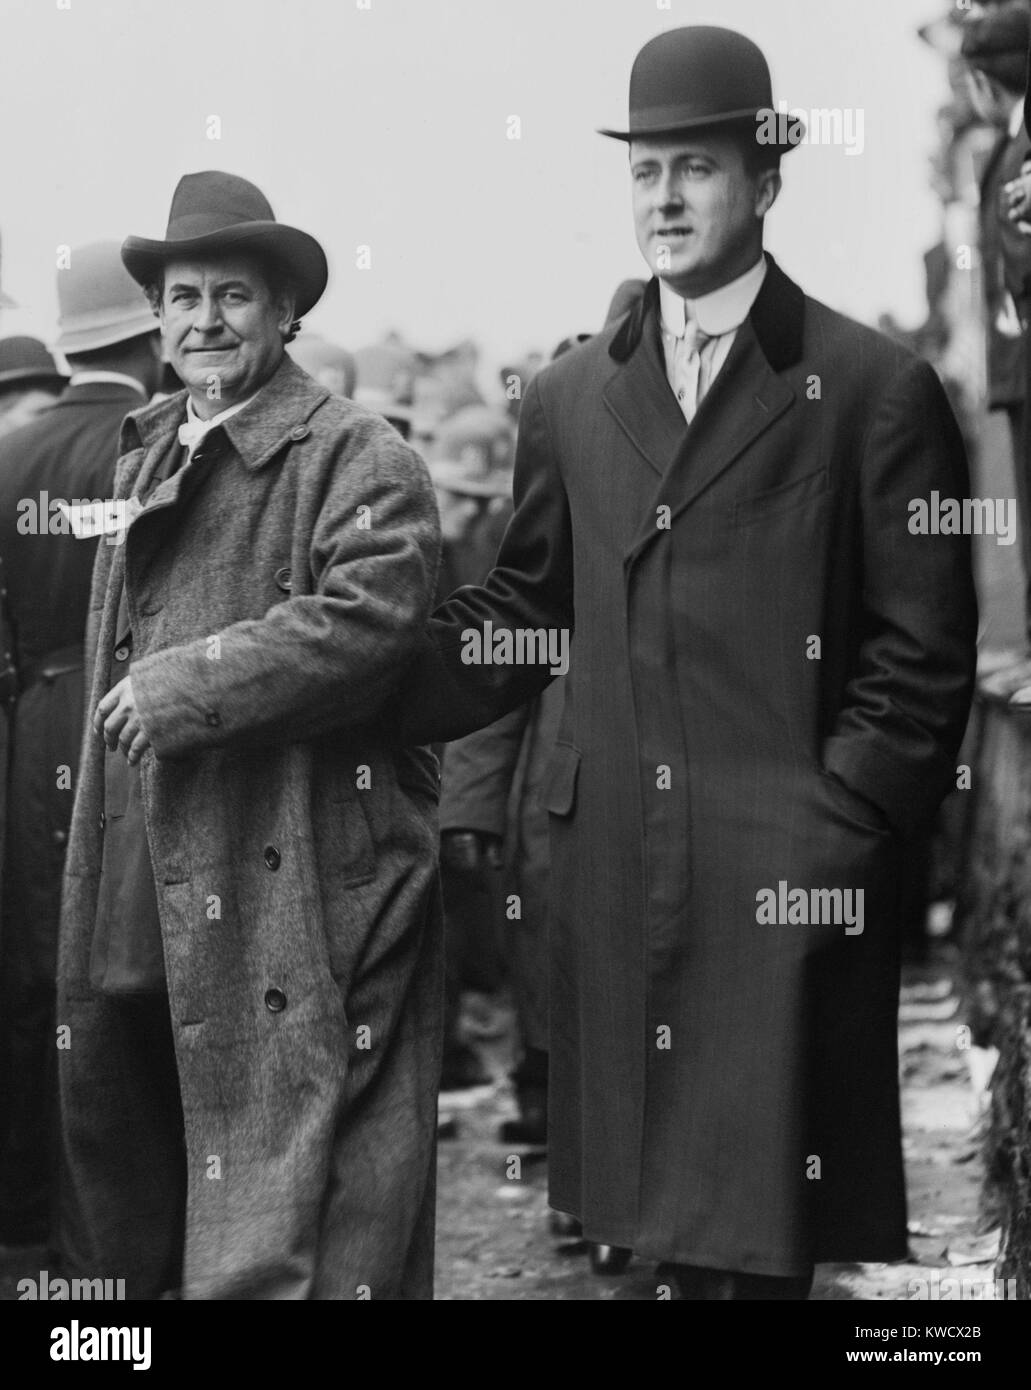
[673,233]
[222,347]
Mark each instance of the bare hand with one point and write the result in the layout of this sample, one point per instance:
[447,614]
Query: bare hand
[117,721]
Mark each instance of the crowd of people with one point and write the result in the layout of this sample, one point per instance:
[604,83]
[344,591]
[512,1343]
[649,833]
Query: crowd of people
[264,922]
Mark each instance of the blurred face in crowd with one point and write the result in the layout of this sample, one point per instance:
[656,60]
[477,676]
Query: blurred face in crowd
[990,100]
[457,515]
[224,328]
[698,209]
[18,407]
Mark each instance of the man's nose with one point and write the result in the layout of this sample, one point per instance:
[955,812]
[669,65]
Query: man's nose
[668,193]
[208,315]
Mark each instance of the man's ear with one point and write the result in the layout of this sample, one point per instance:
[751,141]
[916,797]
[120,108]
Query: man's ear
[767,188]
[287,311]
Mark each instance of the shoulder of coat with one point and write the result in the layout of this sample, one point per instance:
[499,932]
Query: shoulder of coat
[863,348]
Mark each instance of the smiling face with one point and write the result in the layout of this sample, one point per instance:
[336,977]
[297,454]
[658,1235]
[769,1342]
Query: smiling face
[224,328]
[698,209]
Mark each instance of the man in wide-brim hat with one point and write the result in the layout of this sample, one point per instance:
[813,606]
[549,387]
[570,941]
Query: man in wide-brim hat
[250,943]
[769,680]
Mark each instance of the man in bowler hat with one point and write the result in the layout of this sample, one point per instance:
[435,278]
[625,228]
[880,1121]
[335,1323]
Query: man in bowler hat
[250,965]
[769,680]
[111,343]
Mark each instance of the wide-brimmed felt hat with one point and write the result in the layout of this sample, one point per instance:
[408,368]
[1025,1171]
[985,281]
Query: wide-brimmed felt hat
[99,304]
[24,359]
[698,77]
[213,213]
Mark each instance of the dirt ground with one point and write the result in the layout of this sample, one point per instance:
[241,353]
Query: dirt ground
[493,1240]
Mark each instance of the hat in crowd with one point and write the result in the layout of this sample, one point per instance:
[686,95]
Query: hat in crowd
[697,77]
[1000,32]
[213,212]
[26,361]
[472,453]
[331,366]
[386,379]
[99,304]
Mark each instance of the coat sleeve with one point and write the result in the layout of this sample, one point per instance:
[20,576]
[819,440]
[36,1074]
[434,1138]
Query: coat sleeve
[477,775]
[444,697]
[324,660]
[905,709]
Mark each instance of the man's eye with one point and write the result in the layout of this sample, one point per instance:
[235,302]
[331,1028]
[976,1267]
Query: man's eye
[643,175]
[233,297]
[697,170]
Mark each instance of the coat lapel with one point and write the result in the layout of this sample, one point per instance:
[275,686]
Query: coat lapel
[747,397]
[639,395]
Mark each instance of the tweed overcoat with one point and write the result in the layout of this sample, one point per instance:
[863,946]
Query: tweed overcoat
[770,676]
[276,585]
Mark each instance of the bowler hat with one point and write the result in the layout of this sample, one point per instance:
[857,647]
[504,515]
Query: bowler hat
[214,212]
[997,33]
[98,303]
[700,76]
[25,359]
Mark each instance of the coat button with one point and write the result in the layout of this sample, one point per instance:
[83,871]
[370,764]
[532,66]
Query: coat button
[213,718]
[284,579]
[121,653]
[60,837]
[273,858]
[275,1001]
[103,820]
[300,432]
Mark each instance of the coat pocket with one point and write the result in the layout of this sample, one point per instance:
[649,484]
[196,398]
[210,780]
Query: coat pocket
[780,499]
[353,850]
[558,792]
[861,812]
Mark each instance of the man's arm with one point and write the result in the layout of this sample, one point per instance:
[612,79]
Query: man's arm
[906,708]
[320,661]
[444,697]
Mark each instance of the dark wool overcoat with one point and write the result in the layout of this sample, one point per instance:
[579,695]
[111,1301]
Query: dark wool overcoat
[770,676]
[276,586]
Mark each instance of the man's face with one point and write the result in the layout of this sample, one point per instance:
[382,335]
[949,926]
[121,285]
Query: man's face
[223,329]
[697,210]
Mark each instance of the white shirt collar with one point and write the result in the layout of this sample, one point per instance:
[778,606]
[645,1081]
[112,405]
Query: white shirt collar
[194,418]
[1016,119]
[194,429]
[721,311]
[108,378]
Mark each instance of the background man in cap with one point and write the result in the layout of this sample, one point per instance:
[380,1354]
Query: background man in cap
[250,947]
[108,337]
[29,381]
[768,684]
[995,48]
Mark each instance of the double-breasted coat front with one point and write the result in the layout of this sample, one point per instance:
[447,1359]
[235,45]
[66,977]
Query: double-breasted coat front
[770,676]
[276,584]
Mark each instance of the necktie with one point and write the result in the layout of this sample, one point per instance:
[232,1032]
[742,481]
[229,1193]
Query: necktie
[690,368]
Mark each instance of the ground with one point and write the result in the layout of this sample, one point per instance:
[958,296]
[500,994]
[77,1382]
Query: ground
[493,1240]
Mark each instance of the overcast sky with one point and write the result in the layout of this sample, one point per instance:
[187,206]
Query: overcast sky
[387,126]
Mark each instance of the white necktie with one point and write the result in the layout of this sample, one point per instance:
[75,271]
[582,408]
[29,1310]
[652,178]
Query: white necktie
[690,368]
